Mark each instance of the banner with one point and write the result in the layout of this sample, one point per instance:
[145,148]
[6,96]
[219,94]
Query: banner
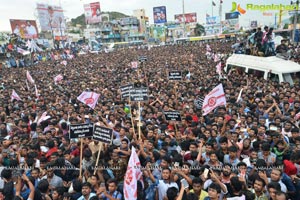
[81,130]
[139,94]
[26,29]
[175,76]
[125,90]
[92,13]
[172,116]
[160,14]
[232,25]
[212,20]
[188,18]
[51,18]
[102,134]
[214,99]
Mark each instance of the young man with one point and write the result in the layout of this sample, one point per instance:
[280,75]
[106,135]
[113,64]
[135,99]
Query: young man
[112,192]
[86,191]
[197,188]
[214,192]
[259,185]
[165,183]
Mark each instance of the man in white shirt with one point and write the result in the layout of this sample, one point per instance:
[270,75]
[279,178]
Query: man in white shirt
[31,30]
[164,184]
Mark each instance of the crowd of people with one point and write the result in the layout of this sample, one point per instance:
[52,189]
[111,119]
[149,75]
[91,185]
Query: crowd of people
[248,149]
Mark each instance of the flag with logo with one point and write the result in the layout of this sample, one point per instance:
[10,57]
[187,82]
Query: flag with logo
[89,98]
[58,78]
[22,51]
[214,99]
[15,96]
[29,77]
[132,176]
[134,65]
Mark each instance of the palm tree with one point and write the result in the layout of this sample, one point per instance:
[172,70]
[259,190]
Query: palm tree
[199,30]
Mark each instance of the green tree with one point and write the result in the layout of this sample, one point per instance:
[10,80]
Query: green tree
[293,17]
[199,30]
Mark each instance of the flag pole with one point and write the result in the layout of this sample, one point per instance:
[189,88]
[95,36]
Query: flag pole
[81,149]
[140,120]
[98,156]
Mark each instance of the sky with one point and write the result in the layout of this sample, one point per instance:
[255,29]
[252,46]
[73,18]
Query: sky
[25,9]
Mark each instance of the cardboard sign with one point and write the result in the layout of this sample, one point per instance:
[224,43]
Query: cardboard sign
[81,130]
[139,94]
[175,76]
[143,58]
[102,134]
[125,90]
[172,115]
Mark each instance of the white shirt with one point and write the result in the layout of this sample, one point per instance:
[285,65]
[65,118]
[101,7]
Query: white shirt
[31,30]
[163,187]
[282,185]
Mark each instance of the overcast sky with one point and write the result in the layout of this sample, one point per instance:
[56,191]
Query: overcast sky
[25,9]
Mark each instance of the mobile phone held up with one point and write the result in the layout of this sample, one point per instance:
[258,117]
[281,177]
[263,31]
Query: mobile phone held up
[185,183]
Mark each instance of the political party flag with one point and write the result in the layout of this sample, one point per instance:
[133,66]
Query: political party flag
[214,99]
[216,58]
[208,49]
[132,176]
[29,77]
[89,98]
[44,117]
[134,65]
[58,78]
[15,96]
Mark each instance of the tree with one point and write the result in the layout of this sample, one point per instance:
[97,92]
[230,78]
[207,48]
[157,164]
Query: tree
[293,17]
[199,30]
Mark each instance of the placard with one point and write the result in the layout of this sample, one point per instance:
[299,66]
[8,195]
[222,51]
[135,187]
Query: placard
[175,76]
[102,134]
[139,94]
[81,130]
[125,90]
[172,115]
[143,58]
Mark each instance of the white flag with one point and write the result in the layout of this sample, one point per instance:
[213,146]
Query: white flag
[29,77]
[43,118]
[219,69]
[214,99]
[58,78]
[36,91]
[134,65]
[15,96]
[132,176]
[89,98]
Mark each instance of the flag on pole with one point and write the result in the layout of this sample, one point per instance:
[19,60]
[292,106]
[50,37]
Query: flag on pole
[89,98]
[29,77]
[132,176]
[214,99]
[15,96]
[216,58]
[58,78]
[213,3]
[64,62]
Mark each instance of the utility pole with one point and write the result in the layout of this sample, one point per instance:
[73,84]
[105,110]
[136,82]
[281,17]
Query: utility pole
[296,4]
[220,15]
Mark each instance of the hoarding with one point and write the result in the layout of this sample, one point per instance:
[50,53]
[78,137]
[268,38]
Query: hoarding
[92,13]
[233,15]
[160,14]
[188,18]
[212,20]
[24,28]
[158,33]
[50,17]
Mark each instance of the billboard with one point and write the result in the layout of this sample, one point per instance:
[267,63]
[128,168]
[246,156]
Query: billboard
[188,18]
[158,33]
[160,14]
[233,15]
[50,17]
[212,20]
[232,24]
[24,28]
[92,13]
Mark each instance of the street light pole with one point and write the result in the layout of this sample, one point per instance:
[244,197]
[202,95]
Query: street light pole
[296,3]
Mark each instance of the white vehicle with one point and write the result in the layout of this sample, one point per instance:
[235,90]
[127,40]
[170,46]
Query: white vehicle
[280,70]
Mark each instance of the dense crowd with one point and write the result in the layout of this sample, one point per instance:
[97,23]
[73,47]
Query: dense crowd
[248,149]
